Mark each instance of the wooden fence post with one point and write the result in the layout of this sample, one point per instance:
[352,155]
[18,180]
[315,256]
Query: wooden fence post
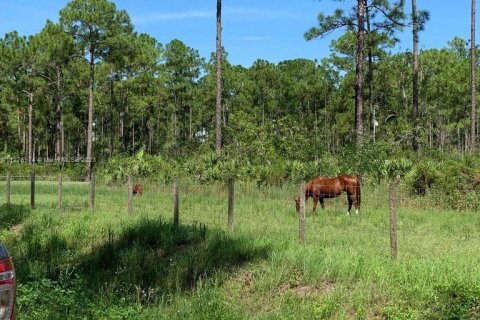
[60,191]
[130,194]
[393,219]
[176,210]
[92,192]
[231,199]
[7,187]
[32,189]
[301,215]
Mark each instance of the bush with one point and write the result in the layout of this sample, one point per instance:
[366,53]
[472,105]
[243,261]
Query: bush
[423,176]
[367,161]
[453,182]
[142,166]
[74,170]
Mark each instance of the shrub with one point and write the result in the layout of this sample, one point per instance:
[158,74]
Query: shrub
[142,165]
[366,161]
[423,176]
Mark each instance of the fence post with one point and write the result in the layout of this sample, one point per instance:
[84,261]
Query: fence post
[7,187]
[60,191]
[92,191]
[32,189]
[393,219]
[301,215]
[176,211]
[130,194]
[231,199]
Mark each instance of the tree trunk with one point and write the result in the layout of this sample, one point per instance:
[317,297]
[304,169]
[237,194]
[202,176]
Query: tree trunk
[190,131]
[150,138]
[90,114]
[218,110]
[112,108]
[359,73]
[30,136]
[430,134]
[142,133]
[24,137]
[133,139]
[473,82]
[415,78]
[122,130]
[467,139]
[370,73]
[102,131]
[19,129]
[60,139]
[33,150]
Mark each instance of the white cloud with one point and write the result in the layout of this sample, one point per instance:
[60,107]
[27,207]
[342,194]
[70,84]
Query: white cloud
[169,16]
[227,12]
[258,13]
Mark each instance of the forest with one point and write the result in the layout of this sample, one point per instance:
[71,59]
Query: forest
[151,105]
[89,106]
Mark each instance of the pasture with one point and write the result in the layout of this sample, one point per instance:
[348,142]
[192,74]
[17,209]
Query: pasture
[73,263]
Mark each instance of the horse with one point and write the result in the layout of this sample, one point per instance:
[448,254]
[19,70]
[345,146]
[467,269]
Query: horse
[137,189]
[320,188]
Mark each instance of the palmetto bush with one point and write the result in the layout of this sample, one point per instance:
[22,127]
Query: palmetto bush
[452,183]
[141,166]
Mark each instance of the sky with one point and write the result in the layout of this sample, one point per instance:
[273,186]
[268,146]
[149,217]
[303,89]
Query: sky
[252,29]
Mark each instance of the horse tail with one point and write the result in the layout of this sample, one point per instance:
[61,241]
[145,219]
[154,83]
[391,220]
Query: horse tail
[358,193]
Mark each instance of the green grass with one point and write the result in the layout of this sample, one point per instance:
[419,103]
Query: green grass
[74,263]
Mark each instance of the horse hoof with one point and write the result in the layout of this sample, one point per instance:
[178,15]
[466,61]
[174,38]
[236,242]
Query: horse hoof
[348,213]
[356,211]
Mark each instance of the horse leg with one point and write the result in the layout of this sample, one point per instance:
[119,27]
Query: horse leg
[350,201]
[357,199]
[315,202]
[355,202]
[321,202]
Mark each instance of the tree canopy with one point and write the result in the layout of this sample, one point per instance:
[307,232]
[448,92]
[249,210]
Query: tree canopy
[90,82]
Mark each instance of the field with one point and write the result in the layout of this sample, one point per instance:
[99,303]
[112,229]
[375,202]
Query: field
[77,264]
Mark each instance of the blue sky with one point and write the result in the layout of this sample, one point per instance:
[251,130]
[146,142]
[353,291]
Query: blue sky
[252,29]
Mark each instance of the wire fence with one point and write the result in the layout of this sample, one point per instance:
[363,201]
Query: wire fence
[213,197]
[236,206]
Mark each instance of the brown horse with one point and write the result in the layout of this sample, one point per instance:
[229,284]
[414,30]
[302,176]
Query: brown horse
[320,188]
[137,189]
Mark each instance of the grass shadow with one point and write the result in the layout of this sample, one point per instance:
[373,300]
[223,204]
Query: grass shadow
[152,258]
[12,214]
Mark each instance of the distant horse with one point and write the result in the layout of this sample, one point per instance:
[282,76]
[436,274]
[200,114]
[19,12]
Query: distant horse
[320,188]
[137,189]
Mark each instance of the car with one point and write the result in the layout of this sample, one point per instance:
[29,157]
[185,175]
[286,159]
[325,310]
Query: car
[8,285]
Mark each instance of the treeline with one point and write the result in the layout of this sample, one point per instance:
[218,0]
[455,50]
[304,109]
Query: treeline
[91,73]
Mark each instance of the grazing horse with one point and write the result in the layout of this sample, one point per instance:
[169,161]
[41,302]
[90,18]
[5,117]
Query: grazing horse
[320,188]
[137,189]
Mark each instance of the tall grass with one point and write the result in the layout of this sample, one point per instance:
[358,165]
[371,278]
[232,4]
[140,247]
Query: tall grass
[73,263]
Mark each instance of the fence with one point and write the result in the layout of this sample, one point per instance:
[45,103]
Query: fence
[234,206]
[45,181]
